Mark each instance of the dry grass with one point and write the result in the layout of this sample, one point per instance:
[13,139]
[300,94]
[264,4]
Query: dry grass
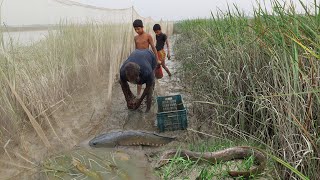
[35,80]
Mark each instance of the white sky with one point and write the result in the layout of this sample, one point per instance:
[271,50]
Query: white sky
[181,9]
[15,12]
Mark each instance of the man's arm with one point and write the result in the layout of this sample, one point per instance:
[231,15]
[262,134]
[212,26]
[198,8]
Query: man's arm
[168,49]
[127,92]
[135,42]
[147,92]
[153,48]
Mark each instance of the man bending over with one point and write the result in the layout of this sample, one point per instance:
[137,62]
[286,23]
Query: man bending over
[138,69]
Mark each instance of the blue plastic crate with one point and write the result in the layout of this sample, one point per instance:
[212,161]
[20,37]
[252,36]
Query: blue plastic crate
[172,115]
[170,103]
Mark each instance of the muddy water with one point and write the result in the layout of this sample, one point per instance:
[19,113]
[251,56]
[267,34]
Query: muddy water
[103,163]
[85,115]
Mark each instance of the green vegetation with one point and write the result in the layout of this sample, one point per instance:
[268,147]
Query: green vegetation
[257,79]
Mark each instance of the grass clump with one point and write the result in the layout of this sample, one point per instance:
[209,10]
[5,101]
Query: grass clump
[256,78]
[186,168]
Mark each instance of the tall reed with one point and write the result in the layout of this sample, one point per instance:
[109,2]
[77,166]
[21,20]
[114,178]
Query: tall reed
[43,75]
[258,78]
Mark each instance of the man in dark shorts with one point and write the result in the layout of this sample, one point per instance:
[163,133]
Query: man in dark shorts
[138,69]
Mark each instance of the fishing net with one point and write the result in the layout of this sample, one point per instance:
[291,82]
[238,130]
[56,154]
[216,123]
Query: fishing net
[81,46]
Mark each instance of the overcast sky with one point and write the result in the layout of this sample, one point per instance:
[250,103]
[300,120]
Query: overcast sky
[33,11]
[171,9]
[180,9]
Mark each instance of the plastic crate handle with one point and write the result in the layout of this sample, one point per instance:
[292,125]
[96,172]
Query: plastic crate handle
[172,116]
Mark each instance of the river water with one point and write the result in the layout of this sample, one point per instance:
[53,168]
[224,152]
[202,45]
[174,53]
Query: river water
[23,37]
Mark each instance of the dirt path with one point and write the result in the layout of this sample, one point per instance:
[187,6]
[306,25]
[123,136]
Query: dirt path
[82,117]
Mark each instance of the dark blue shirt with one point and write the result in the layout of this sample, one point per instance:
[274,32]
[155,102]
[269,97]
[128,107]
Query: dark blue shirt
[147,62]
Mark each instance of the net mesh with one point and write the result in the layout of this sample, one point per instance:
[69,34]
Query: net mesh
[66,12]
[77,12]
[83,45]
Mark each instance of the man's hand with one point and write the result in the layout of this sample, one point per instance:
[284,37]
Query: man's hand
[168,56]
[131,104]
[153,48]
[127,93]
[134,104]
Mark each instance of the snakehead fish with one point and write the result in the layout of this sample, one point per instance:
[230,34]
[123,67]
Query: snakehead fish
[129,138]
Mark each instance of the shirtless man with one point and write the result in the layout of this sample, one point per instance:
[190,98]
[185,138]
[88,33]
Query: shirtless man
[142,41]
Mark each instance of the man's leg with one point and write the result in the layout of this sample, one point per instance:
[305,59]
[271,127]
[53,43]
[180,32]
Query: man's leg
[149,97]
[162,56]
[163,64]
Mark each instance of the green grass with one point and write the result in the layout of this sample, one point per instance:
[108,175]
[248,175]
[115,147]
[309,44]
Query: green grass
[257,79]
